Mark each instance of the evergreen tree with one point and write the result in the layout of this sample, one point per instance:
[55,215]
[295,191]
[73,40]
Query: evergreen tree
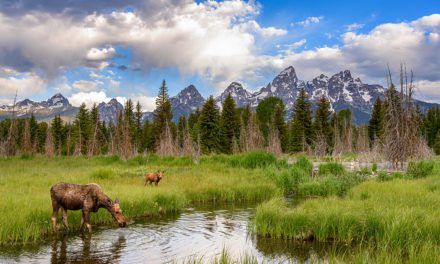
[82,130]
[138,125]
[181,128]
[437,144]
[431,125]
[58,136]
[229,125]
[375,126]
[163,113]
[209,127]
[322,127]
[280,125]
[301,125]
[265,113]
[147,138]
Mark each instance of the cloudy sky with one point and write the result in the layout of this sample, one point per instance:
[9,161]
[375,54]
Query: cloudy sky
[93,50]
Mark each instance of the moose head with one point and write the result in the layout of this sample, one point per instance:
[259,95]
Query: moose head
[116,212]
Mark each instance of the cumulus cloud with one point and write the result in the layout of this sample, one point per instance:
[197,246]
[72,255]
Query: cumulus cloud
[24,84]
[85,85]
[90,98]
[310,20]
[148,103]
[215,40]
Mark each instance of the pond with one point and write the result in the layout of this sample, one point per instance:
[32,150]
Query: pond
[200,232]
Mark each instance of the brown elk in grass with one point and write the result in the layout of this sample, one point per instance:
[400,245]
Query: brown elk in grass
[88,198]
[153,177]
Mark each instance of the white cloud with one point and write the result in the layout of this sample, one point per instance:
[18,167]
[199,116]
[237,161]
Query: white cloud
[354,26]
[25,84]
[308,21]
[89,98]
[428,90]
[101,54]
[85,85]
[215,40]
[148,103]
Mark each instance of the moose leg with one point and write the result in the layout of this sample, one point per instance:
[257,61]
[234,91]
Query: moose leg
[82,222]
[64,211]
[87,220]
[55,209]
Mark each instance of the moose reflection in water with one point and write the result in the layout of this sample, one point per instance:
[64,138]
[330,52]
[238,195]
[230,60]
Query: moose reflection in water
[65,252]
[89,198]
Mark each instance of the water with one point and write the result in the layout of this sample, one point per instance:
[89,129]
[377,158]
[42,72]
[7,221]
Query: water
[195,232]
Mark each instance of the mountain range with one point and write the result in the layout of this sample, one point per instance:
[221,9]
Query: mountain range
[342,89]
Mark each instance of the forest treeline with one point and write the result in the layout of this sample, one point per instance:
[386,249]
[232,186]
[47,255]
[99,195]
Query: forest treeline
[395,122]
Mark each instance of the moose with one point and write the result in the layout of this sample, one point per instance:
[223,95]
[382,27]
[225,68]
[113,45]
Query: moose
[88,198]
[153,177]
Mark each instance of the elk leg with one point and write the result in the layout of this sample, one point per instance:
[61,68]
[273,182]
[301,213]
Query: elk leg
[64,211]
[87,220]
[55,209]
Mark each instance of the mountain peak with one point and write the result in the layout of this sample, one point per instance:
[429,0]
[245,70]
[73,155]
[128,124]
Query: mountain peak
[185,102]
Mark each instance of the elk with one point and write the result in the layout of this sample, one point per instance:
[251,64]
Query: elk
[153,177]
[88,198]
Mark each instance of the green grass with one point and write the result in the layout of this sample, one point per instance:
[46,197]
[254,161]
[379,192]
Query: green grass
[398,217]
[25,183]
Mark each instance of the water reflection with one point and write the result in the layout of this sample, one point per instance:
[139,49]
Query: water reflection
[64,252]
[201,232]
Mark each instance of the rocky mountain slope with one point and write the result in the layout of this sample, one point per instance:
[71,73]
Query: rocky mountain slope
[342,89]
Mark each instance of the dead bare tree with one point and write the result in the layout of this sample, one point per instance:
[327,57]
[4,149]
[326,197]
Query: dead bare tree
[69,140]
[11,143]
[93,146]
[167,145]
[78,146]
[402,139]
[362,142]
[187,144]
[320,147]
[49,146]
[251,137]
[274,143]
[27,143]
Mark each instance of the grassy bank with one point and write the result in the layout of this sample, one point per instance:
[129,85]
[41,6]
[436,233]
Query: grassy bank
[396,216]
[25,182]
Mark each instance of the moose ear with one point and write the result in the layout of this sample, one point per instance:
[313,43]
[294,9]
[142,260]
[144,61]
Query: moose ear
[116,200]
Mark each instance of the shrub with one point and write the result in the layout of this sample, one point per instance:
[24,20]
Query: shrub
[304,164]
[252,160]
[26,156]
[384,176]
[419,169]
[374,167]
[102,174]
[331,168]
[289,180]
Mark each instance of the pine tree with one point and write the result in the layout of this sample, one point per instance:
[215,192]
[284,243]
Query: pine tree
[265,112]
[301,125]
[58,136]
[322,127]
[229,124]
[181,129]
[209,127]
[83,129]
[162,114]
[138,126]
[437,144]
[280,125]
[94,144]
[431,125]
[375,125]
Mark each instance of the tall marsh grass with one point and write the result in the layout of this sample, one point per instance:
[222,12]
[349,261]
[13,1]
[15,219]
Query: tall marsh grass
[25,183]
[399,216]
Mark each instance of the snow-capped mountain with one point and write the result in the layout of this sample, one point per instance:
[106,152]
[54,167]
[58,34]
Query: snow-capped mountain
[45,110]
[239,94]
[341,89]
[185,102]
[109,112]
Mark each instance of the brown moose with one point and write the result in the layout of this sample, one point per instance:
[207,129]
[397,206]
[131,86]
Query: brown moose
[153,177]
[88,198]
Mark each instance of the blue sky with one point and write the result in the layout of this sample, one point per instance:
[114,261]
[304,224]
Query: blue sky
[95,50]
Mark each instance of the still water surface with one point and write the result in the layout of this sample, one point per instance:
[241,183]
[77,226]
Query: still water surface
[194,233]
